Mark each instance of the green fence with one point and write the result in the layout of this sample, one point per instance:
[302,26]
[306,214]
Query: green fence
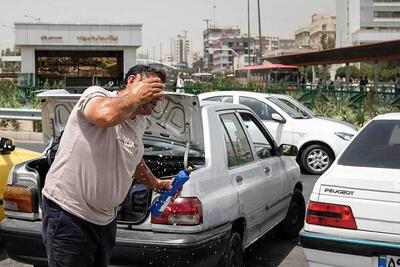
[307,94]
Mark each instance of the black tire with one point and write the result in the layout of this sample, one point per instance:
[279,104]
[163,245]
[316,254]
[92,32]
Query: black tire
[316,159]
[294,221]
[233,256]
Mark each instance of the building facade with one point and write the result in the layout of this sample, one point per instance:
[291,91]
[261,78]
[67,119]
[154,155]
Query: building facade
[182,50]
[302,37]
[77,54]
[211,42]
[286,44]
[268,43]
[227,49]
[366,21]
[322,26]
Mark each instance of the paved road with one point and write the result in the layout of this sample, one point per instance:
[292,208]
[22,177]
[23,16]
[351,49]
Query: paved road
[268,251]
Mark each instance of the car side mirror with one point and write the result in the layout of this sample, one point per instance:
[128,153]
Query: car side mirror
[278,118]
[288,150]
[6,145]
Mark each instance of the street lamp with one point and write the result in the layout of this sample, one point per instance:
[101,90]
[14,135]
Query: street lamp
[37,19]
[248,31]
[223,49]
[259,31]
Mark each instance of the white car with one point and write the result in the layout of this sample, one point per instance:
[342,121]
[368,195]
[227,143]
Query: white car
[242,186]
[319,140]
[353,216]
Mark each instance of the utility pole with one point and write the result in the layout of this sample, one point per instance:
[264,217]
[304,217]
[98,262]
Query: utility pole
[214,15]
[171,44]
[185,50]
[206,45]
[259,32]
[161,52]
[248,31]
[207,20]
[154,54]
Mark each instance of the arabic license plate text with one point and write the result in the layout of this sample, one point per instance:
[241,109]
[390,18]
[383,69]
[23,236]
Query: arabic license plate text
[389,261]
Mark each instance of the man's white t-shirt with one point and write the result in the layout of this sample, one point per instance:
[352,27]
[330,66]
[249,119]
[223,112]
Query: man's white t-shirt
[93,168]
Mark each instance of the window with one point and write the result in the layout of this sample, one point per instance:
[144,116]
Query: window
[223,99]
[324,27]
[230,151]
[386,1]
[377,146]
[264,147]
[297,106]
[262,110]
[387,15]
[287,109]
[236,141]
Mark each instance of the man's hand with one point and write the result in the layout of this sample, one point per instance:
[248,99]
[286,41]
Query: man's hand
[148,90]
[166,185]
[162,185]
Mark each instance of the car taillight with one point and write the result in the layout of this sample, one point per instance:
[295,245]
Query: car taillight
[182,211]
[333,215]
[18,198]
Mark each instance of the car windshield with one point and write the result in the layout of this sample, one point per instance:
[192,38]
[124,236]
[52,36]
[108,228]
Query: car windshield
[296,105]
[376,146]
[288,109]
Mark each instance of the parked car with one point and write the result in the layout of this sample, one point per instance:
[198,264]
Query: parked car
[319,140]
[240,187]
[353,216]
[9,156]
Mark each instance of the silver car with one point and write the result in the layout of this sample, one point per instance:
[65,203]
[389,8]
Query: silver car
[241,187]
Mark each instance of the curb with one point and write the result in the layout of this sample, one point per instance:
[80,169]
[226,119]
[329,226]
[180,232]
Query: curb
[23,136]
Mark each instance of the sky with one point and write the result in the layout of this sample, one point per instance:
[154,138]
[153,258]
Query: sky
[164,19]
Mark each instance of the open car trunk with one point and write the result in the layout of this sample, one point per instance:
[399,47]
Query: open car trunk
[173,140]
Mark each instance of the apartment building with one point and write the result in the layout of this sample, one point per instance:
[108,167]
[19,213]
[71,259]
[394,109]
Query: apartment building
[211,39]
[227,48]
[182,50]
[366,21]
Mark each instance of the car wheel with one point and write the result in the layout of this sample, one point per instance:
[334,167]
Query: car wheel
[290,227]
[234,253]
[316,159]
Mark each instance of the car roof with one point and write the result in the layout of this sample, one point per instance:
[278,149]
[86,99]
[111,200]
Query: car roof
[242,93]
[388,116]
[222,105]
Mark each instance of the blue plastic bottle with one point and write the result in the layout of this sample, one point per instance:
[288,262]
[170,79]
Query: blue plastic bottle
[162,201]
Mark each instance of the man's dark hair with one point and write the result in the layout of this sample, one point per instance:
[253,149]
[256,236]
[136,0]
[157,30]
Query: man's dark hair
[143,70]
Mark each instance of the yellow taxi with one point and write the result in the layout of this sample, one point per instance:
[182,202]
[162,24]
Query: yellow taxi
[9,156]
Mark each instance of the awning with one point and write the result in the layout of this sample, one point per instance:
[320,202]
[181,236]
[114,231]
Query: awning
[380,51]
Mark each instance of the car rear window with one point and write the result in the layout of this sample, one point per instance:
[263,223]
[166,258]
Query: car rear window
[376,146]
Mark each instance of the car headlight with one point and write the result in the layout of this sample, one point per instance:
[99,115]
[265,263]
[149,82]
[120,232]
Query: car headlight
[344,136]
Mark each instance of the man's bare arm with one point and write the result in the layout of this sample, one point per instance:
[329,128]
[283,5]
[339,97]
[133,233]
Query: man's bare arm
[110,111]
[144,175]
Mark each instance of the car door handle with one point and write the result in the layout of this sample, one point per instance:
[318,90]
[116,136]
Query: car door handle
[239,179]
[267,170]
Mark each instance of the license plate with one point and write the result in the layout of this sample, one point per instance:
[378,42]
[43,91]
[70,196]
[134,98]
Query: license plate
[389,261]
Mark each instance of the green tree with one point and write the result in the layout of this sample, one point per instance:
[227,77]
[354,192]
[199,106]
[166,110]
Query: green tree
[354,72]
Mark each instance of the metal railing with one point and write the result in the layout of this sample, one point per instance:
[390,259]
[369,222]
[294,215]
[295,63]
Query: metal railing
[20,114]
